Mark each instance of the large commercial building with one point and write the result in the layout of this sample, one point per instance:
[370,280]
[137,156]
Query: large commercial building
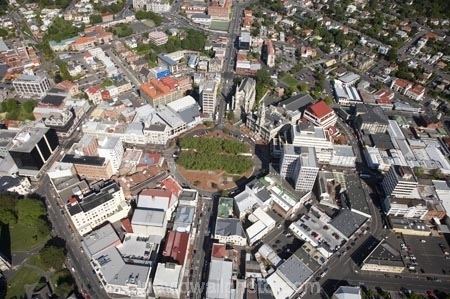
[299,164]
[111,148]
[230,231]
[31,148]
[219,280]
[154,210]
[373,121]
[162,91]
[103,203]
[320,114]
[31,85]
[384,258]
[157,6]
[311,136]
[208,96]
[289,277]
[90,167]
[245,40]
[400,182]
[123,267]
[150,125]
[168,280]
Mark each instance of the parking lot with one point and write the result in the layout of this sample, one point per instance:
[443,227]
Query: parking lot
[282,242]
[426,254]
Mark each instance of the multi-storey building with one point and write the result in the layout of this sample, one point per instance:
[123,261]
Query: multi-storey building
[122,267]
[311,136]
[288,161]
[168,280]
[307,169]
[400,182]
[245,40]
[111,148]
[373,121]
[162,91]
[103,203]
[31,85]
[90,167]
[208,96]
[407,208]
[300,165]
[31,148]
[159,38]
[5,137]
[320,114]
[157,6]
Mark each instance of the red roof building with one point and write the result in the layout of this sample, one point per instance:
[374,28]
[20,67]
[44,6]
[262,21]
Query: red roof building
[106,96]
[401,85]
[219,251]
[94,94]
[416,92]
[69,87]
[384,97]
[126,225]
[176,246]
[321,115]
[172,185]
[161,91]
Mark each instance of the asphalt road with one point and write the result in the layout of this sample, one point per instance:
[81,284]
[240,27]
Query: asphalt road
[78,263]
[129,73]
[202,247]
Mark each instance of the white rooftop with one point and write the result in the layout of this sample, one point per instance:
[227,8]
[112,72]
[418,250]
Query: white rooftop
[148,217]
[167,275]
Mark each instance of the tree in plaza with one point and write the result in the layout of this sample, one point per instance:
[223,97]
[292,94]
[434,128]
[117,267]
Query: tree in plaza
[52,256]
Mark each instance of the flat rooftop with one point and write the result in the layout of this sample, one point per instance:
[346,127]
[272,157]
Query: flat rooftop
[295,270]
[148,217]
[27,139]
[385,254]
[347,222]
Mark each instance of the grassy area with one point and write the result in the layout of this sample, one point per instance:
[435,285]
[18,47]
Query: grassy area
[13,110]
[290,81]
[61,280]
[207,153]
[122,30]
[24,237]
[62,283]
[24,276]
[27,222]
[219,25]
[148,15]
[35,260]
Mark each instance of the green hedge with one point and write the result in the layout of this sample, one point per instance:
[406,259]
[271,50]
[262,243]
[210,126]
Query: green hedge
[206,153]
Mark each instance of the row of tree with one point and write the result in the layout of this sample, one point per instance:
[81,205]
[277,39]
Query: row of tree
[213,145]
[231,164]
[149,15]
[16,110]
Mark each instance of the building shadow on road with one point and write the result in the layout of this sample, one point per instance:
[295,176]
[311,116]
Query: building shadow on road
[5,243]
[331,285]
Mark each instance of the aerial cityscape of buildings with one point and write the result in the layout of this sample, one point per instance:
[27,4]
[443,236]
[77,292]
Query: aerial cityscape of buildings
[224,149]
